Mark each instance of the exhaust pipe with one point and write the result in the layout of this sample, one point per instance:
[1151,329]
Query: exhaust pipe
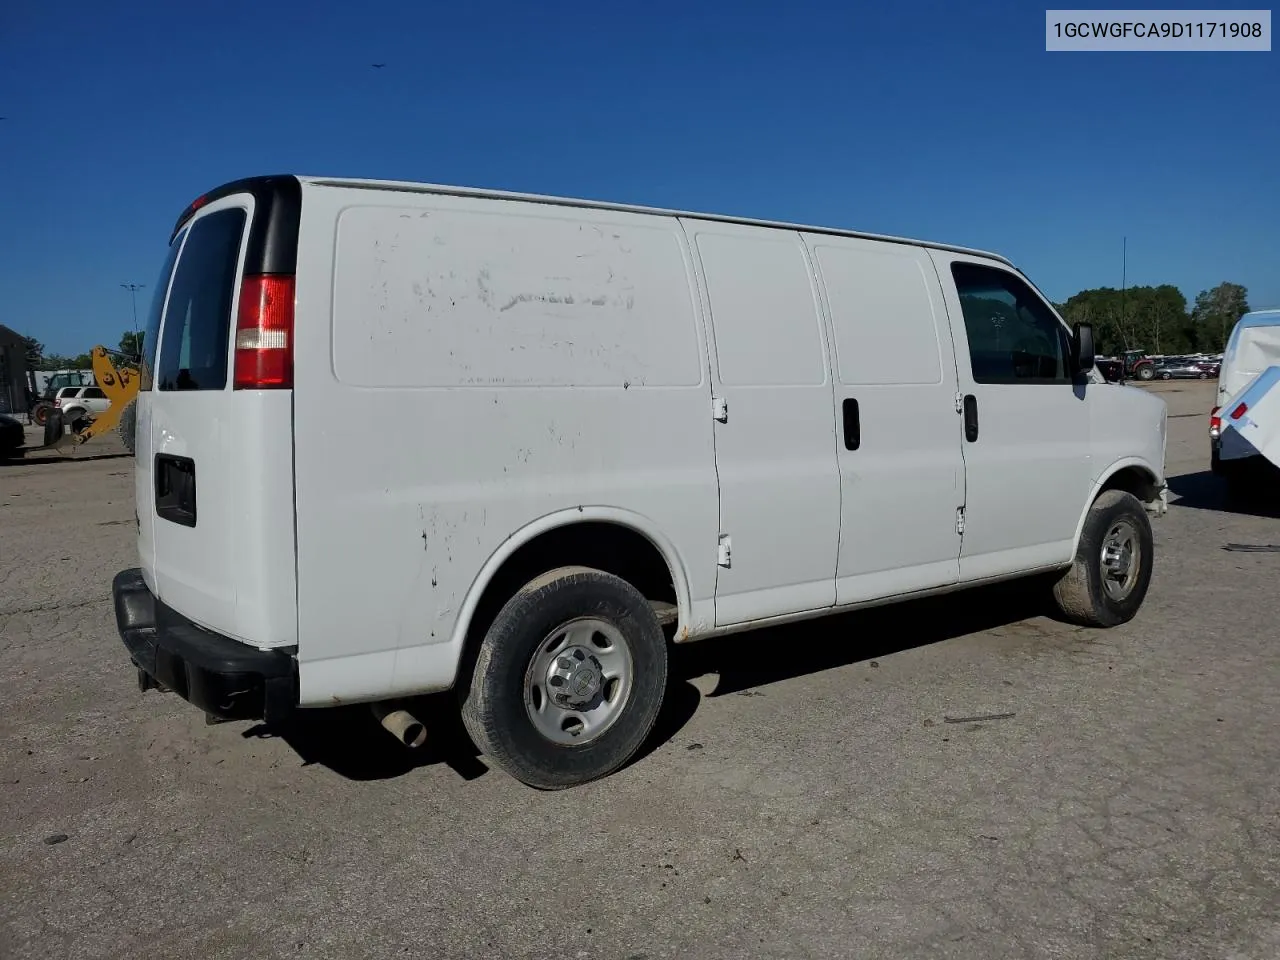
[401,724]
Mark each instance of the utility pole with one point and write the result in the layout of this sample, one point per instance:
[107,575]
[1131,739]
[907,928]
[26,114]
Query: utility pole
[133,289]
[1124,277]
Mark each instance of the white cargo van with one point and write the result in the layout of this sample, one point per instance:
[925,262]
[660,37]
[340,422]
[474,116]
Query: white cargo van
[1251,360]
[397,438]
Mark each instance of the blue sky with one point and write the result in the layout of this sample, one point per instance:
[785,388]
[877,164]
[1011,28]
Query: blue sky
[937,120]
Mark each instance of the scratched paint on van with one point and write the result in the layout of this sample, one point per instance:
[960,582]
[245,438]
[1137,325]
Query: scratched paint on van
[419,302]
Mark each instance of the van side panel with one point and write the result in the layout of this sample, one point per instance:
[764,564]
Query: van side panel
[463,367]
[901,465]
[776,449]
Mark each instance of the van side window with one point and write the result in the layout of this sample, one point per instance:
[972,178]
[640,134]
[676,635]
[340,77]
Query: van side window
[197,322]
[1013,337]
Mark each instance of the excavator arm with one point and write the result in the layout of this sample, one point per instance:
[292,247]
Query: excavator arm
[120,384]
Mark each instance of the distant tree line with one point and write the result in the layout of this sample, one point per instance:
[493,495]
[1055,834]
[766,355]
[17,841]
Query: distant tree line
[37,359]
[1156,319]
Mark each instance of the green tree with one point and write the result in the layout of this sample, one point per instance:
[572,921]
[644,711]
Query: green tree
[1216,312]
[131,343]
[53,361]
[1101,309]
[1152,319]
[34,350]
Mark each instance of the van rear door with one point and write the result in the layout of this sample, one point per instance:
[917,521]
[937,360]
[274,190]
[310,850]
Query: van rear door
[215,448]
[190,488]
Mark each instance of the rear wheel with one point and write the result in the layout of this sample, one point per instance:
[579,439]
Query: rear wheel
[53,426]
[569,679]
[1145,372]
[41,413]
[1109,577]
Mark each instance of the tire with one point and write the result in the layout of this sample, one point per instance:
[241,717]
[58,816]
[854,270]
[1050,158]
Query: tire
[40,414]
[1203,376]
[53,426]
[1082,594]
[1144,372]
[1165,376]
[507,683]
[128,426]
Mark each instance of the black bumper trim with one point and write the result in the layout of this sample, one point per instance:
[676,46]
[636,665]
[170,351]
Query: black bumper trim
[221,676]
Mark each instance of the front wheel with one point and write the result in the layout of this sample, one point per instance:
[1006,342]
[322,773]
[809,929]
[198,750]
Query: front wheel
[1109,577]
[569,679]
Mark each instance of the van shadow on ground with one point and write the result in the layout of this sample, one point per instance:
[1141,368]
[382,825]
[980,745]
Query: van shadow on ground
[1204,491]
[349,741]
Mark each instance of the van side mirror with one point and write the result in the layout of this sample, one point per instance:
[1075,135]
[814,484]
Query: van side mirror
[1083,353]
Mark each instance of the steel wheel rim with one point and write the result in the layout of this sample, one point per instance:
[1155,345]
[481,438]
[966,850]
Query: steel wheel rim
[579,681]
[1121,560]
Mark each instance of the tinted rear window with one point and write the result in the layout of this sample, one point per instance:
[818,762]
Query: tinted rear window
[151,337]
[197,320]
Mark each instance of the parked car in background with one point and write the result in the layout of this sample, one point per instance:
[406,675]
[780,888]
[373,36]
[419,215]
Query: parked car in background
[1184,370]
[77,402]
[12,435]
[1112,370]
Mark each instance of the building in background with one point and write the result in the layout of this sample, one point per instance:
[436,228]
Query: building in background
[14,380]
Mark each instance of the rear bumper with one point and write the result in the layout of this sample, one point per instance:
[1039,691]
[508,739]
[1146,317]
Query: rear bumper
[221,676]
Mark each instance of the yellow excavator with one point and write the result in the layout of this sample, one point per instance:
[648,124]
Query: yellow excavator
[120,384]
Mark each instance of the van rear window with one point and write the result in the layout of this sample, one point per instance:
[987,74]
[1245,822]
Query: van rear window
[151,336]
[195,338]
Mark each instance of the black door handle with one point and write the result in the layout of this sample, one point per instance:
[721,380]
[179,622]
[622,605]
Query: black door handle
[970,417]
[852,428]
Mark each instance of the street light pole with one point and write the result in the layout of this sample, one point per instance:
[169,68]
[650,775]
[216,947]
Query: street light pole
[133,289]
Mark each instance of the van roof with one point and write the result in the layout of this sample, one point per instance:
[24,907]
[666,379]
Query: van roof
[1260,318]
[414,187]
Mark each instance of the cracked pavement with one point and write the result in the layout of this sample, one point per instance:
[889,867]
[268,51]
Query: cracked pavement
[805,796]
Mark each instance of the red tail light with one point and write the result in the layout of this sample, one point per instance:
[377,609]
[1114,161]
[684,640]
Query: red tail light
[1215,423]
[264,333]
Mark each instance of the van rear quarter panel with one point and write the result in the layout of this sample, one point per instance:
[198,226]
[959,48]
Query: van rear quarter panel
[463,368]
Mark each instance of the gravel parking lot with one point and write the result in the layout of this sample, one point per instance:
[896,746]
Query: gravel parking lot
[806,795]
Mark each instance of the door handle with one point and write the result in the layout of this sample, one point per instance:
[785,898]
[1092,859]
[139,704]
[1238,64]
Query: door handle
[970,417]
[852,427]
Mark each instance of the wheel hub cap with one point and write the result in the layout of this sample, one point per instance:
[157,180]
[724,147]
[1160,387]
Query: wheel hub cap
[579,681]
[575,678]
[1120,560]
